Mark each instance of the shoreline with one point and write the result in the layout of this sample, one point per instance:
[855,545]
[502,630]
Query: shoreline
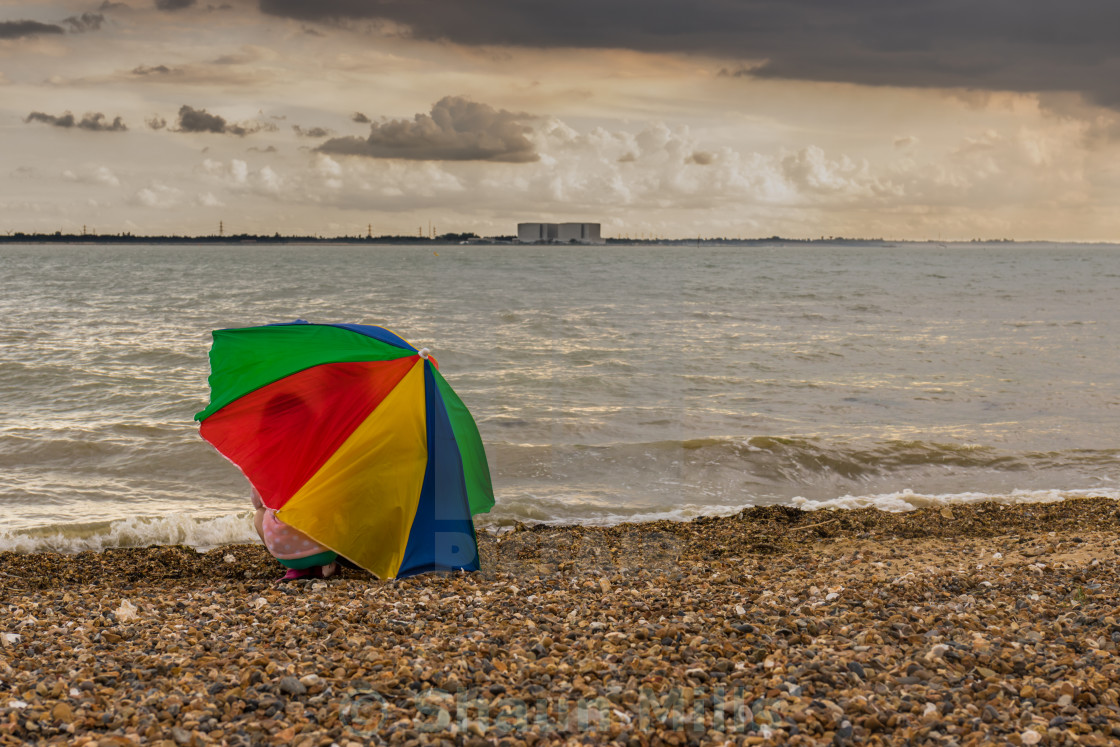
[966,625]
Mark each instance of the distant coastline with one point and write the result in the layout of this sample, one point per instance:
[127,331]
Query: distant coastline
[470,238]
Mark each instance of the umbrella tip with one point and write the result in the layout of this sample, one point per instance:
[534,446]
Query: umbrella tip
[424,353]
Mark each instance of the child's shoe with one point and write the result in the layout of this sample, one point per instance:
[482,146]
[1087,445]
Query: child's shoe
[296,574]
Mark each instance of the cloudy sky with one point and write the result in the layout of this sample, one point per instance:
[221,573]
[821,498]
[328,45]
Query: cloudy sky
[914,119]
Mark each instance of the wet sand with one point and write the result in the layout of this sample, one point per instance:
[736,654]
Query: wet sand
[972,625]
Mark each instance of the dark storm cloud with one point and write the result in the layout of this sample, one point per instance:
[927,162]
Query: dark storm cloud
[1019,45]
[20,29]
[174,4]
[157,70]
[360,118]
[200,120]
[456,130]
[84,22]
[76,24]
[95,122]
[312,131]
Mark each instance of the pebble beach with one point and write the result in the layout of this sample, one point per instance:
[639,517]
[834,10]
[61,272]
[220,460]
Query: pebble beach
[963,625]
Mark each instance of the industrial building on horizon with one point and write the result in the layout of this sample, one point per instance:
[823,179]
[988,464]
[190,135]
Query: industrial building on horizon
[559,233]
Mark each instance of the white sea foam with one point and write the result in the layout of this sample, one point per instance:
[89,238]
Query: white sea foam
[905,500]
[174,529]
[908,500]
[237,528]
[681,513]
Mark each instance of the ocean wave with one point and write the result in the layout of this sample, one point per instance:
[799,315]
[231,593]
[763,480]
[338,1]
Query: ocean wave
[174,529]
[237,528]
[612,518]
[588,484]
[782,460]
[908,500]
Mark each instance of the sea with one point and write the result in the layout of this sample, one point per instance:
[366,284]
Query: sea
[610,384]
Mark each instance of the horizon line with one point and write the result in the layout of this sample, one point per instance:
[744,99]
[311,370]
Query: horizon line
[472,238]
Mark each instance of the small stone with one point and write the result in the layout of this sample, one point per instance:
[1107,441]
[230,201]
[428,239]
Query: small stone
[286,735]
[126,612]
[1030,736]
[292,686]
[947,656]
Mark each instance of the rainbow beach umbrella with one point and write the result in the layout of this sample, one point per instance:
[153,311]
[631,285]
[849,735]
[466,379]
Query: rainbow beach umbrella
[356,440]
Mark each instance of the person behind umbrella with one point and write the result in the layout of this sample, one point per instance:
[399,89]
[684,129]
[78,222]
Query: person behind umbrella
[301,555]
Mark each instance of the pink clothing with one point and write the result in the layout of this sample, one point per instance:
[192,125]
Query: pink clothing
[281,540]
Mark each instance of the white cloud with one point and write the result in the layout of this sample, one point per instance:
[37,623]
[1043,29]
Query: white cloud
[238,177]
[269,180]
[239,170]
[93,175]
[105,176]
[327,166]
[158,196]
[599,172]
[813,173]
